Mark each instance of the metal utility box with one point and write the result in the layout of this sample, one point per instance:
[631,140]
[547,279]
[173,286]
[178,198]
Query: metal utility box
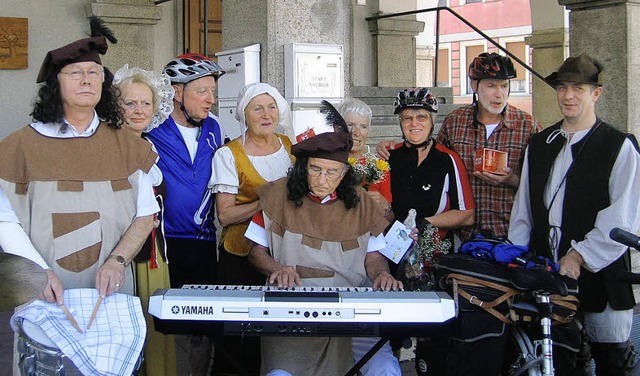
[242,67]
[313,72]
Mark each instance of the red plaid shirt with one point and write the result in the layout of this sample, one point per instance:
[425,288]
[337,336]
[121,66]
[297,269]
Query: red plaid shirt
[463,134]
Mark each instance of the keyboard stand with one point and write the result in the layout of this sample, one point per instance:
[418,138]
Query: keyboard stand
[369,354]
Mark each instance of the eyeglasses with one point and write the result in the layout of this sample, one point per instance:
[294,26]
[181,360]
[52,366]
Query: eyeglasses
[420,118]
[78,74]
[331,174]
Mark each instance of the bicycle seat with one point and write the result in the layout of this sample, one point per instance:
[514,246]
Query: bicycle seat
[537,279]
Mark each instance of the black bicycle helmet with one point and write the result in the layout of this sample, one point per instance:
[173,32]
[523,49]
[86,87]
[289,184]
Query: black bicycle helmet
[419,97]
[188,67]
[491,65]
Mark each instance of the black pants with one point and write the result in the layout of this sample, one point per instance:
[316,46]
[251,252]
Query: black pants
[192,261]
[236,270]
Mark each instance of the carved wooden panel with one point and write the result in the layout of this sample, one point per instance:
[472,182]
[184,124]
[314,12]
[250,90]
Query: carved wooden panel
[14,43]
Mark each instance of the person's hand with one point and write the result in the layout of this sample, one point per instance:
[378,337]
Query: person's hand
[414,234]
[383,147]
[384,281]
[570,264]
[286,276]
[495,179]
[110,278]
[52,292]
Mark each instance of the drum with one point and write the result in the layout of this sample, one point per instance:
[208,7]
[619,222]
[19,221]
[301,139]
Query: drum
[39,356]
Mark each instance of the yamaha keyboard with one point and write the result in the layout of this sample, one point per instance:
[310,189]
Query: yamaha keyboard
[310,311]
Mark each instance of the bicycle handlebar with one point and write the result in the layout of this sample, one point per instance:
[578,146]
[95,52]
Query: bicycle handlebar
[624,237]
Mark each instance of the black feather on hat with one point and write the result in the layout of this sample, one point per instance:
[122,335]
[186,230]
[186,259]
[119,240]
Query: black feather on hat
[87,49]
[333,117]
[99,28]
[329,145]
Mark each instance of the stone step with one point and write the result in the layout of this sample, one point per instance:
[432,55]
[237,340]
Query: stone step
[386,109]
[391,92]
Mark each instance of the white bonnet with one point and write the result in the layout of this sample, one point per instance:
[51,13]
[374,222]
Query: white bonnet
[251,91]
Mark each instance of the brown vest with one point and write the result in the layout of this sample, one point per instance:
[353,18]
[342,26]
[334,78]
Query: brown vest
[233,235]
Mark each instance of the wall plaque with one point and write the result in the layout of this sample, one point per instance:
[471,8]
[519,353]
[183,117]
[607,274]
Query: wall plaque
[14,43]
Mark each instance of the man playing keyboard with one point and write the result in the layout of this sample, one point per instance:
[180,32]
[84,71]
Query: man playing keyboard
[319,228]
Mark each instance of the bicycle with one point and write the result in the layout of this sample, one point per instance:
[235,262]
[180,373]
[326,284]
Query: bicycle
[535,358]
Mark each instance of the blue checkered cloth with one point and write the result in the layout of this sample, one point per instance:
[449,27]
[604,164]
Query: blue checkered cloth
[113,344]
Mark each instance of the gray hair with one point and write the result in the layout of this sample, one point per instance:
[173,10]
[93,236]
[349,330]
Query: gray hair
[355,106]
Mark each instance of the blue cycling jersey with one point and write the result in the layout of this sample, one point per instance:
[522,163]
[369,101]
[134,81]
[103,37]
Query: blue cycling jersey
[188,207]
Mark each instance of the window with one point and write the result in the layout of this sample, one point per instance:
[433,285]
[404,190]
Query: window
[520,50]
[470,52]
[472,1]
[444,70]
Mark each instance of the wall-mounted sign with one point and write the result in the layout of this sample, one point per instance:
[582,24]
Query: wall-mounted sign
[14,43]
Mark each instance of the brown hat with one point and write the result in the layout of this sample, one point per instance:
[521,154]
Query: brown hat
[87,49]
[330,145]
[582,69]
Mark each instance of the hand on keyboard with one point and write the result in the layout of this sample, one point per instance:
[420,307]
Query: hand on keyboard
[285,276]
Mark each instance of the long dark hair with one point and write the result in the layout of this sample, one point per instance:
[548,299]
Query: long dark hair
[298,187]
[48,105]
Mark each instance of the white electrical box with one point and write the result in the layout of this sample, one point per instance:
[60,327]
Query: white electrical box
[313,72]
[242,67]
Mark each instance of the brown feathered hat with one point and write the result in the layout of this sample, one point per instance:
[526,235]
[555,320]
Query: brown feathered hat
[87,49]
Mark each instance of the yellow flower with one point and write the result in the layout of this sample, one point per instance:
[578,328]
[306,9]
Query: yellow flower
[352,161]
[382,165]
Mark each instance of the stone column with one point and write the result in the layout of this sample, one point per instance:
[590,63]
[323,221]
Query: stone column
[394,44]
[549,51]
[132,23]
[608,31]
[275,23]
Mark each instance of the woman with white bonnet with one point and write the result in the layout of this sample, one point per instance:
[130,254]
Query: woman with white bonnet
[146,100]
[258,156]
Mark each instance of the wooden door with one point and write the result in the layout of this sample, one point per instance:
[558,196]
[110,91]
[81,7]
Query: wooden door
[194,27]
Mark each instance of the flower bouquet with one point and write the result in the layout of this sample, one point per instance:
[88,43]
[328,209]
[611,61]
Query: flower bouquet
[370,169]
[416,268]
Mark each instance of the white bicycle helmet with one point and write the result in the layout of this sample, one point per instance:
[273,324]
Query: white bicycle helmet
[188,67]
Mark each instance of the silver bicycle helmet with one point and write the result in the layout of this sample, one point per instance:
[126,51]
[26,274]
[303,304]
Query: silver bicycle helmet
[188,67]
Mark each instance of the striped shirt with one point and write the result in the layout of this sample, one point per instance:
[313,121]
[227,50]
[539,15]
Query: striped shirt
[463,134]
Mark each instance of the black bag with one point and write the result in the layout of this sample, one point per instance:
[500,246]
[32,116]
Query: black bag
[476,284]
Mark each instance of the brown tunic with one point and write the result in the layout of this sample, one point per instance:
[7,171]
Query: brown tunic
[75,197]
[327,244]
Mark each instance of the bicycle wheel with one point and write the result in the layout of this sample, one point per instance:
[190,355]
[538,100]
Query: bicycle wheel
[523,360]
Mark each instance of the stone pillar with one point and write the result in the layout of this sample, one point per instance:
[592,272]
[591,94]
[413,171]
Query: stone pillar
[549,51]
[394,44]
[132,23]
[275,23]
[608,30]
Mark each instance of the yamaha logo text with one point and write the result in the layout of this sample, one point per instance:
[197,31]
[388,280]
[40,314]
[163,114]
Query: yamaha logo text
[194,310]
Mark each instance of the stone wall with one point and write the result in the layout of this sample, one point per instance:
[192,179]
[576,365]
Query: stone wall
[53,24]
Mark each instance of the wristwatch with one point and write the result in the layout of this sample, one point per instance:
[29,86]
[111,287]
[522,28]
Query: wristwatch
[119,259]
